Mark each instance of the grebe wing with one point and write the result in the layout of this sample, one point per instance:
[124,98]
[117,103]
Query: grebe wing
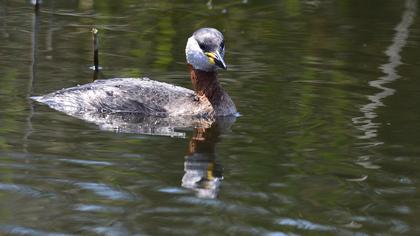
[119,95]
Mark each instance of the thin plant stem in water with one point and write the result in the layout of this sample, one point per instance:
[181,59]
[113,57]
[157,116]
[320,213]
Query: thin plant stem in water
[95,49]
[34,49]
[95,34]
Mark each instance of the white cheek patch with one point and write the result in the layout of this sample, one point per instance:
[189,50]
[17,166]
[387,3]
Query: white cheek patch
[196,57]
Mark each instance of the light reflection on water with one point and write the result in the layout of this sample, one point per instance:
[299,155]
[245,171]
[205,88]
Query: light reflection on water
[295,163]
[389,69]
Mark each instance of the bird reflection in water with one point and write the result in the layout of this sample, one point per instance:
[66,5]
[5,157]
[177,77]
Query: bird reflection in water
[203,170]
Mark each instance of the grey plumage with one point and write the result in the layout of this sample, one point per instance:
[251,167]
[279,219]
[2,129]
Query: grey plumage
[127,95]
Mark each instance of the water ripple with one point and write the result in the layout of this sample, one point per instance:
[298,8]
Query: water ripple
[97,208]
[86,162]
[20,189]
[106,191]
[303,224]
[21,230]
[173,190]
[109,230]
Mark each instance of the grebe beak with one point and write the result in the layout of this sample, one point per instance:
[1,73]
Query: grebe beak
[217,59]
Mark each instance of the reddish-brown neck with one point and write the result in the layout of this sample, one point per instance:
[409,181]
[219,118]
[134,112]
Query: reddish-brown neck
[203,140]
[206,83]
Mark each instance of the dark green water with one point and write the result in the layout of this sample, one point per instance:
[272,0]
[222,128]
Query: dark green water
[327,144]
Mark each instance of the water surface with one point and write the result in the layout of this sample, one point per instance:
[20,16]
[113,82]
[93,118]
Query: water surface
[327,141]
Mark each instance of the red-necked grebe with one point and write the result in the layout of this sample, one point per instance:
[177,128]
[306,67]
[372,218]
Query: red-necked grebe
[204,54]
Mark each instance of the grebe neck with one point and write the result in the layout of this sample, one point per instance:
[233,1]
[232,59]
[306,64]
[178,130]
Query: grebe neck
[206,84]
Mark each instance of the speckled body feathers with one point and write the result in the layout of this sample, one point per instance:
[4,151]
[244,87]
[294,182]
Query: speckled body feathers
[129,95]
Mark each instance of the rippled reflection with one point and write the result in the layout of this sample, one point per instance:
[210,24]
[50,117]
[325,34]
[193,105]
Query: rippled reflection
[366,122]
[203,171]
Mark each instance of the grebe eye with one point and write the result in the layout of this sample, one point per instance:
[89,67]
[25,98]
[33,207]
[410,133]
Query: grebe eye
[204,47]
[222,45]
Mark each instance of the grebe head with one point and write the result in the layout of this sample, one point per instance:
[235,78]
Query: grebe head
[205,50]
